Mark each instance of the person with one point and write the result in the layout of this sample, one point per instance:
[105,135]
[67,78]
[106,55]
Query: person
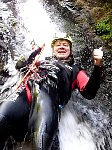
[60,76]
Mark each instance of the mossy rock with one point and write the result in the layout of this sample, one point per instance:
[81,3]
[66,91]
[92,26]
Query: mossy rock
[104,29]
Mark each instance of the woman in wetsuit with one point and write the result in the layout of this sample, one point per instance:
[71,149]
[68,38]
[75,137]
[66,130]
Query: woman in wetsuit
[62,77]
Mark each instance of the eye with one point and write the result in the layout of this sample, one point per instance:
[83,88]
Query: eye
[58,44]
[65,44]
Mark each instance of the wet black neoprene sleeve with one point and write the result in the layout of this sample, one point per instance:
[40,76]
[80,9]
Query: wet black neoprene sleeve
[31,58]
[93,84]
[21,64]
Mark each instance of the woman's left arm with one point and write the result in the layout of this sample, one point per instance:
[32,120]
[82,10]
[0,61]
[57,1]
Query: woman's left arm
[89,86]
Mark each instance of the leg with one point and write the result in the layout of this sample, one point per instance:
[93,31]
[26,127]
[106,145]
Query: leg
[3,131]
[14,117]
[47,122]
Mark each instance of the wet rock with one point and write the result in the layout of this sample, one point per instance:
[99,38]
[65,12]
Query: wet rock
[7,38]
[5,1]
[3,52]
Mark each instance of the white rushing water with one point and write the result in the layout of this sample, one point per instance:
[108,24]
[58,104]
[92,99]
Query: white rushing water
[37,25]
[74,135]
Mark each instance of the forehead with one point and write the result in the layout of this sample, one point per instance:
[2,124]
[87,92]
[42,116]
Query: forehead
[61,41]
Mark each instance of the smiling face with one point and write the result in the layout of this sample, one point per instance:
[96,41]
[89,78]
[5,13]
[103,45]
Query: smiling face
[61,49]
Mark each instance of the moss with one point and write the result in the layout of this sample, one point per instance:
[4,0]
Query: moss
[104,28]
[101,12]
[108,7]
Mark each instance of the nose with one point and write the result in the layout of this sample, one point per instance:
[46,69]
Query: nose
[61,46]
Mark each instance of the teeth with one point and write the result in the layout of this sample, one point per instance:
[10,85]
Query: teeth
[61,52]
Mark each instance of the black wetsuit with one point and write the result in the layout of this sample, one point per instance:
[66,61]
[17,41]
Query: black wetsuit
[54,91]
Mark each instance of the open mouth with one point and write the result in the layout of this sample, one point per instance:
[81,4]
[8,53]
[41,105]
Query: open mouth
[61,51]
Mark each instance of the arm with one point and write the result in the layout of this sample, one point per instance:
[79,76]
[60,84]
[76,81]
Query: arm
[32,56]
[89,86]
[24,63]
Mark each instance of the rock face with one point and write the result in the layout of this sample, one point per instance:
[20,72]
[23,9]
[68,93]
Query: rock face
[3,53]
[101,12]
[7,39]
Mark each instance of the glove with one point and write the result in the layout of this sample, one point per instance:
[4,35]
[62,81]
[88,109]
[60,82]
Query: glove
[23,69]
[20,64]
[98,56]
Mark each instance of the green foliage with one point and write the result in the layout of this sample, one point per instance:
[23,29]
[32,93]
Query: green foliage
[104,28]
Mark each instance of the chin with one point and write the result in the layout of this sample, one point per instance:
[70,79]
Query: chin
[61,57]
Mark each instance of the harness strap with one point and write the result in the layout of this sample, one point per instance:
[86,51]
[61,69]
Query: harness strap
[28,92]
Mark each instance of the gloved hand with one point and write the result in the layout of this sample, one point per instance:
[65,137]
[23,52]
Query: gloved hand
[24,69]
[20,63]
[98,56]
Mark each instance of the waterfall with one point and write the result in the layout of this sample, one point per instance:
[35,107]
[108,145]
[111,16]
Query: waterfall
[83,125]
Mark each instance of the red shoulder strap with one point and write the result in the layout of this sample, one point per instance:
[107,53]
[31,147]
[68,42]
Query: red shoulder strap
[28,92]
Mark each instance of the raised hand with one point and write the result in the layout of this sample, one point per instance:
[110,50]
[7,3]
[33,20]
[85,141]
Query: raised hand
[98,56]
